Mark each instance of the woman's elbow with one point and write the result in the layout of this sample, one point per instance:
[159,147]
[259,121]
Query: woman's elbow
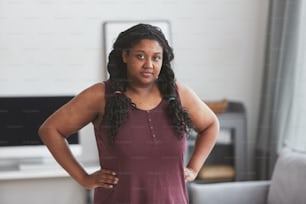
[42,132]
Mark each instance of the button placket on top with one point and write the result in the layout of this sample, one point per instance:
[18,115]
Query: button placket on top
[149,117]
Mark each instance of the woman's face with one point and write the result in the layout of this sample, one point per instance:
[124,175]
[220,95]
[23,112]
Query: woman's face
[144,62]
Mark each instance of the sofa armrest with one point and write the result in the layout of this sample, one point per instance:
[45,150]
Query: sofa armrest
[243,192]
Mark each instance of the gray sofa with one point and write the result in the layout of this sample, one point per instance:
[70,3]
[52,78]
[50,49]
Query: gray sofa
[287,185]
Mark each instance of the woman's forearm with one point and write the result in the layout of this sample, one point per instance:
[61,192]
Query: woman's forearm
[60,150]
[203,146]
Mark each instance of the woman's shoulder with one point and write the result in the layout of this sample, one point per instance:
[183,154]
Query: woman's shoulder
[93,95]
[183,89]
[98,85]
[97,89]
[187,95]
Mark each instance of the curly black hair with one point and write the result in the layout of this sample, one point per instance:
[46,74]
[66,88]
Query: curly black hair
[117,105]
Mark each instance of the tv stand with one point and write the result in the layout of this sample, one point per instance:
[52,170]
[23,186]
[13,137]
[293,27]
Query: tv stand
[42,184]
[15,164]
[8,166]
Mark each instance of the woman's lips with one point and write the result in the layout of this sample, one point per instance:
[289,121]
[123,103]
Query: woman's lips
[146,74]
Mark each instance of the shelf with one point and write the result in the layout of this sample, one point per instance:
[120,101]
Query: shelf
[234,121]
[217,172]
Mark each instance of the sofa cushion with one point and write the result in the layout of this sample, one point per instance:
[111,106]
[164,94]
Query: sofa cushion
[288,183]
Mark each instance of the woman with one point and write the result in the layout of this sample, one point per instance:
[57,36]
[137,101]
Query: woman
[140,116]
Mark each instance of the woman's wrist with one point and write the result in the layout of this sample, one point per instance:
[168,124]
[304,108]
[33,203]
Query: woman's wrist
[189,174]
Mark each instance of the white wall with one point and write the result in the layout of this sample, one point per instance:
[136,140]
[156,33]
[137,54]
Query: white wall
[52,47]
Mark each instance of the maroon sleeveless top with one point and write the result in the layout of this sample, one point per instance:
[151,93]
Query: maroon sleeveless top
[147,157]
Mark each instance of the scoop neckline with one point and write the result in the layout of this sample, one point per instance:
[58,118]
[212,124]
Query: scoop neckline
[148,110]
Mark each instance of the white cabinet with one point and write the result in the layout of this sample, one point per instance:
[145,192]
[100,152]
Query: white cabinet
[42,186]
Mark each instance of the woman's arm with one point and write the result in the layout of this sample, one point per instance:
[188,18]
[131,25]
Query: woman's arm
[86,107]
[205,124]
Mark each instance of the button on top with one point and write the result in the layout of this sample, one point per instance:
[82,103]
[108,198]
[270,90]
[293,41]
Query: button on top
[151,125]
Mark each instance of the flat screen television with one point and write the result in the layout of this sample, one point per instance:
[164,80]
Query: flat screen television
[20,119]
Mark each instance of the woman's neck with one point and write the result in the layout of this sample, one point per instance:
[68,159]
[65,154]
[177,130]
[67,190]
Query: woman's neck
[142,90]
[144,97]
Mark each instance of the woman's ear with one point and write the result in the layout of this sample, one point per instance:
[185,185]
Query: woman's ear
[124,56]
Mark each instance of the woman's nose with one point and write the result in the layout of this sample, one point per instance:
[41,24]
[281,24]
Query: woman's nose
[148,63]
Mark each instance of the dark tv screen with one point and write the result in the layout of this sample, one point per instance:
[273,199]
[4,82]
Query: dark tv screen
[20,118]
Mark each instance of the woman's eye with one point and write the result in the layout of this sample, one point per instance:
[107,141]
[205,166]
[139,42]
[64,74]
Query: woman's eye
[156,58]
[140,57]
